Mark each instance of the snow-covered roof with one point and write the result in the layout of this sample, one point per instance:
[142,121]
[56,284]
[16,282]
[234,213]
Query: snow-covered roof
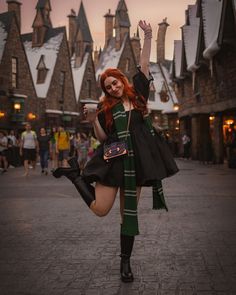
[161,76]
[190,37]
[78,74]
[50,51]
[3,38]
[178,44]
[110,57]
[211,12]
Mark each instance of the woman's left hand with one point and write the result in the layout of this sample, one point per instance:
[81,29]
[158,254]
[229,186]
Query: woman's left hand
[147,29]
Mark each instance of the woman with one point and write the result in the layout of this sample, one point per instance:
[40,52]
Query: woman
[82,150]
[3,151]
[147,161]
[44,141]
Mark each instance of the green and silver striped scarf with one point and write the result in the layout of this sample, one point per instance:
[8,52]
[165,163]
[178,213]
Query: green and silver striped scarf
[130,218]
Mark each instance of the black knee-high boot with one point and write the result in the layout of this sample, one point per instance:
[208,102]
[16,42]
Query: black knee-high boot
[85,189]
[126,244]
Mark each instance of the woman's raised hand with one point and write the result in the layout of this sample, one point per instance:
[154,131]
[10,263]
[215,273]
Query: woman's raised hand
[147,29]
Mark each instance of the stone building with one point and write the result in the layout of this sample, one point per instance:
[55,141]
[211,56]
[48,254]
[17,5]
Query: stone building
[204,73]
[18,98]
[163,103]
[49,59]
[81,49]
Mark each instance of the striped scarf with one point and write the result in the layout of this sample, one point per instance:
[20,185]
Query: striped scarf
[130,219]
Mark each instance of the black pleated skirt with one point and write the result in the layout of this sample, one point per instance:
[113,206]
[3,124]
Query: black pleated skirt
[153,159]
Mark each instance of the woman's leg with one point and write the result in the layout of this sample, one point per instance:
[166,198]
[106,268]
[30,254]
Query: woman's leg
[104,199]
[41,159]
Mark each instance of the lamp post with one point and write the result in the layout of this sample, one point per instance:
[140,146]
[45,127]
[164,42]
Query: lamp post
[2,114]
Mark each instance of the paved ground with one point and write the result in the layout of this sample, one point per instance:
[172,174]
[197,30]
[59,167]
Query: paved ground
[51,244]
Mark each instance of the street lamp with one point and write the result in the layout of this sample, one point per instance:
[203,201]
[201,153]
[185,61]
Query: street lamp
[176,106]
[17,106]
[31,116]
[2,114]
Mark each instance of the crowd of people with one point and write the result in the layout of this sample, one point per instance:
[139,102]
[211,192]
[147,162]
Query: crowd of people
[50,148]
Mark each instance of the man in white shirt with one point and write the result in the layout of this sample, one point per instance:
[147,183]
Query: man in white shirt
[28,147]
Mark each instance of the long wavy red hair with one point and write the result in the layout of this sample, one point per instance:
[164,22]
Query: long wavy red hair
[109,101]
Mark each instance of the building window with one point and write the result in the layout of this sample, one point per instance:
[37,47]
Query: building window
[37,36]
[42,71]
[152,91]
[62,85]
[78,48]
[14,71]
[89,85]
[127,65]
[164,93]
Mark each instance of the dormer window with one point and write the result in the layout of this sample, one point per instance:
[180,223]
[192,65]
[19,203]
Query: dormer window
[164,93]
[42,70]
[127,65]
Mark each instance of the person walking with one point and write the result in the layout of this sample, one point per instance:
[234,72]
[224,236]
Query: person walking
[3,151]
[53,149]
[82,150]
[62,146]
[13,149]
[44,141]
[186,144]
[28,148]
[122,120]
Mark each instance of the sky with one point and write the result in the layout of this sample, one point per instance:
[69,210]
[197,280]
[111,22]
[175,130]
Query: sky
[153,11]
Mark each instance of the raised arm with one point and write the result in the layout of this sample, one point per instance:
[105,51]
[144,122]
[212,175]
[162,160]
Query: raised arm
[146,51]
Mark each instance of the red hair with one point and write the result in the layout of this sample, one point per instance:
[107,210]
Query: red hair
[108,102]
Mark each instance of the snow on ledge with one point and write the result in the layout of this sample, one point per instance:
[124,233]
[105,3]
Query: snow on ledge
[211,12]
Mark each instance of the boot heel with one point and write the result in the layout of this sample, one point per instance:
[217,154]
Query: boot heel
[74,164]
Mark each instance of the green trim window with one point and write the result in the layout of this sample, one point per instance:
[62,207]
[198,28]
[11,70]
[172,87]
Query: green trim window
[42,70]
[14,72]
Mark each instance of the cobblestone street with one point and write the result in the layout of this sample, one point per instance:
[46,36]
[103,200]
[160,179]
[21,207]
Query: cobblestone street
[51,244]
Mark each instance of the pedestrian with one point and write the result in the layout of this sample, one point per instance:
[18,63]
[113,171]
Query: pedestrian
[62,146]
[28,148]
[186,144]
[44,141]
[53,149]
[82,150]
[3,151]
[123,115]
[13,149]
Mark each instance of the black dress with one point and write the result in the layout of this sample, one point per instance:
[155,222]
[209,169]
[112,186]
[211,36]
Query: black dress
[153,159]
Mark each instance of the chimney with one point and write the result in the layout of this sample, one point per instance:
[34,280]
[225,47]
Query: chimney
[14,5]
[72,30]
[161,35]
[136,45]
[109,25]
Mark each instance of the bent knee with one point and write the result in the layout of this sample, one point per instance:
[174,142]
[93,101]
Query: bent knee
[101,213]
